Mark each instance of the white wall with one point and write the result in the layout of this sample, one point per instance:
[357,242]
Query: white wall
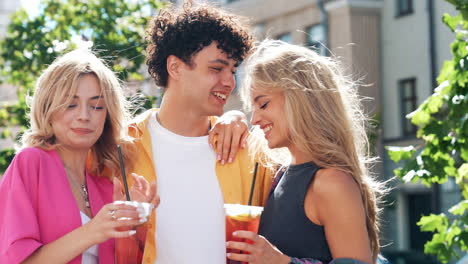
[405,54]
[7,92]
[6,8]
[444,36]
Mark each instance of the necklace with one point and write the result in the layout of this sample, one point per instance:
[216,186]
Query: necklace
[84,190]
[82,187]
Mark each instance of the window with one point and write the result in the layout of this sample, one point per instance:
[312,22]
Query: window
[408,104]
[419,204]
[286,37]
[404,7]
[316,38]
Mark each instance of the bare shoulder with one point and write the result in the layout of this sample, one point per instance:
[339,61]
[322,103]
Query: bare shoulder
[340,209]
[333,183]
[333,195]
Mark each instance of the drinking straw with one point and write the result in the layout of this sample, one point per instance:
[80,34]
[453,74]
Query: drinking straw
[124,176]
[252,187]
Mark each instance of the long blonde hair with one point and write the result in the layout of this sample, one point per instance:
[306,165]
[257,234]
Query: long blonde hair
[55,89]
[323,114]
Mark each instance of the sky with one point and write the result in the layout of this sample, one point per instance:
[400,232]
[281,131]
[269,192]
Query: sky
[31,6]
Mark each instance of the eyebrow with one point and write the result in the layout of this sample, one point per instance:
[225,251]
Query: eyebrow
[224,62]
[258,98]
[92,98]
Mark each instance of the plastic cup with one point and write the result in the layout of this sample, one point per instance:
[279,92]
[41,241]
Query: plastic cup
[129,250]
[240,217]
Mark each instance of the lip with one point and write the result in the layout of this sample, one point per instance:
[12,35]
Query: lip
[267,134]
[82,131]
[219,100]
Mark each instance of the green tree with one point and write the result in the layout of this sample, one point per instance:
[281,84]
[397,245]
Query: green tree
[116,29]
[443,156]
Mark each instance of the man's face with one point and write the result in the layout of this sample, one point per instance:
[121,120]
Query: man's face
[208,82]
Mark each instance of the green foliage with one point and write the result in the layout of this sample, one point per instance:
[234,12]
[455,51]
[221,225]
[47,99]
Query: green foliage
[116,29]
[443,126]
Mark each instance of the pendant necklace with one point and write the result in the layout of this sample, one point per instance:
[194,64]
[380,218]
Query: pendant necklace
[83,188]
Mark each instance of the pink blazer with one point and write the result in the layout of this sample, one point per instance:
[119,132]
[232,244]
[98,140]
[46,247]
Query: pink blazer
[37,205]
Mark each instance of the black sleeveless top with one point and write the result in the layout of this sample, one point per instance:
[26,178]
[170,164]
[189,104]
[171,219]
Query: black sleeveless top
[284,222]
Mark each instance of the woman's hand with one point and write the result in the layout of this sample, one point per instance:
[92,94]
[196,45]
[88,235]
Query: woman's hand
[141,191]
[114,221]
[260,252]
[231,131]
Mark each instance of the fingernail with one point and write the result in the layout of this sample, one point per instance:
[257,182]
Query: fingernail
[132,232]
[243,145]
[211,146]
[230,160]
[218,157]
[141,215]
[143,220]
[234,233]
[222,162]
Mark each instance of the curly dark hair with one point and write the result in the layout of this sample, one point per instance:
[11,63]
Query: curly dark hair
[185,31]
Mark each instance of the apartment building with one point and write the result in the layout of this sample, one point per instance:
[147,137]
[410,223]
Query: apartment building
[415,44]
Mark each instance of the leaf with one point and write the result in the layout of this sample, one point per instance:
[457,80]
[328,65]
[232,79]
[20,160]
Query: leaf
[433,222]
[464,154]
[452,233]
[419,117]
[400,153]
[451,21]
[459,209]
[437,246]
[462,173]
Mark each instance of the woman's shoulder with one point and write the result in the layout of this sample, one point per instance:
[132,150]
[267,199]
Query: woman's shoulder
[329,182]
[335,194]
[34,153]
[29,163]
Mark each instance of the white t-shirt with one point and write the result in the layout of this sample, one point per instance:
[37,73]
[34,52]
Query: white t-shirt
[90,256]
[190,225]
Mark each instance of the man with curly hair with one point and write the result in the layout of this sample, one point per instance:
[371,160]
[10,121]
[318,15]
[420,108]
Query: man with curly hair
[193,54]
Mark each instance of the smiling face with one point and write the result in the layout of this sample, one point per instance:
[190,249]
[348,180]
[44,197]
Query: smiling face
[81,123]
[268,113]
[206,84]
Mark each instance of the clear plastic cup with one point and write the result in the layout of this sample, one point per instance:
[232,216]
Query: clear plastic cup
[129,250]
[240,217]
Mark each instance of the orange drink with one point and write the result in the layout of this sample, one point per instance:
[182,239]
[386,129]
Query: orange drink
[129,250]
[241,217]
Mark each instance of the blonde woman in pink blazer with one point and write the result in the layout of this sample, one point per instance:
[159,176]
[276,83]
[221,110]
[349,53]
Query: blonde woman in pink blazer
[55,208]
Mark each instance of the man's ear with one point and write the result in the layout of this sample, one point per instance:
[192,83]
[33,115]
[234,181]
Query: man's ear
[174,64]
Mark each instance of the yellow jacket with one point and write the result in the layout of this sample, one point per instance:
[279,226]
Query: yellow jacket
[234,178]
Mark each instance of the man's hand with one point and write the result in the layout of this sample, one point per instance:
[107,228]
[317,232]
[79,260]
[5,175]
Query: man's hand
[228,134]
